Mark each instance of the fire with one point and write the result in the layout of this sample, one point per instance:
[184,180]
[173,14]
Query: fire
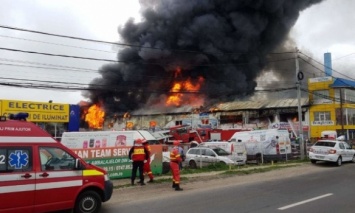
[183,91]
[152,123]
[126,115]
[95,117]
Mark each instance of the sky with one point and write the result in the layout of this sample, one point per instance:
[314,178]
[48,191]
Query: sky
[325,27]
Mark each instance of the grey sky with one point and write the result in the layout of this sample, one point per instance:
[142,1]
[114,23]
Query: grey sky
[326,27]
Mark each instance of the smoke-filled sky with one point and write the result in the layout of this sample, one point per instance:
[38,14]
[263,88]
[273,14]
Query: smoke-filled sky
[222,46]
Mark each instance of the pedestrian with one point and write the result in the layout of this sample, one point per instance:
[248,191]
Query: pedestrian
[181,151]
[146,169]
[138,154]
[175,159]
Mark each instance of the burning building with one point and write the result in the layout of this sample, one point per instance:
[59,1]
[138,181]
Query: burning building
[194,53]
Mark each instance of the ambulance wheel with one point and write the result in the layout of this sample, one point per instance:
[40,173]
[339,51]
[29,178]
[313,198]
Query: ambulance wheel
[88,202]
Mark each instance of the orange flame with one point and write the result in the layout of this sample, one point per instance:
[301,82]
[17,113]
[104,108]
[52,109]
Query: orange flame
[129,125]
[126,115]
[152,123]
[180,87]
[95,117]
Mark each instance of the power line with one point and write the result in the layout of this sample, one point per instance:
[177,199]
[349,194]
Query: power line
[343,56]
[143,63]
[58,55]
[122,44]
[65,45]
[327,66]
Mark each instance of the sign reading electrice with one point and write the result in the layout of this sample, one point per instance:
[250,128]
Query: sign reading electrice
[38,111]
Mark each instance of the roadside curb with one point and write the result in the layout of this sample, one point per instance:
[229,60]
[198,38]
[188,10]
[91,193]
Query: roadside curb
[126,182]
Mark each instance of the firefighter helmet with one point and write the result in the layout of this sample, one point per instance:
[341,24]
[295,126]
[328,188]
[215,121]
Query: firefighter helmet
[176,143]
[138,142]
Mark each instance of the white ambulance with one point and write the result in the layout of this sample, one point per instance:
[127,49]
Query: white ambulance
[265,145]
[103,139]
[39,174]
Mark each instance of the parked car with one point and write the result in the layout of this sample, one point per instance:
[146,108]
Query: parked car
[332,151]
[296,148]
[203,156]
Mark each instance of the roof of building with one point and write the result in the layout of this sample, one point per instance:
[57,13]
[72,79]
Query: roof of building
[341,82]
[262,104]
[233,106]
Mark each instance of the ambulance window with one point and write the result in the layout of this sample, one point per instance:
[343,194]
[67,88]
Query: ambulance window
[15,159]
[53,158]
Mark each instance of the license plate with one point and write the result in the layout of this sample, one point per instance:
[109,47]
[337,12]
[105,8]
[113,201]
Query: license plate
[319,157]
[240,154]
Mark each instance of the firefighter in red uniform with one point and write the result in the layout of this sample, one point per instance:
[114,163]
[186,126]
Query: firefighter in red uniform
[138,154]
[146,168]
[175,159]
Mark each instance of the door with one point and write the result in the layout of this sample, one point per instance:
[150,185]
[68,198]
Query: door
[57,183]
[349,152]
[17,179]
[201,158]
[210,157]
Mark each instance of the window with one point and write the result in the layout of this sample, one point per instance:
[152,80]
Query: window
[210,153]
[338,116]
[350,115]
[325,143]
[349,96]
[341,146]
[321,97]
[322,116]
[15,159]
[53,158]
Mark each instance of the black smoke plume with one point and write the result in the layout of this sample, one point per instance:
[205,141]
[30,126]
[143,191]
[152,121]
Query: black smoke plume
[224,41]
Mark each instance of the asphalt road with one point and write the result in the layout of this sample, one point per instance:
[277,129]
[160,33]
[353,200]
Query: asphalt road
[331,189]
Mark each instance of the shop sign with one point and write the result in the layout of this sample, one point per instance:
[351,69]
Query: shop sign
[38,111]
[322,123]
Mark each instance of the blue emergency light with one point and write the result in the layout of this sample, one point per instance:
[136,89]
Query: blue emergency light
[22,116]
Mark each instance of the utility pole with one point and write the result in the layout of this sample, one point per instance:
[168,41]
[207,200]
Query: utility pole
[299,77]
[341,112]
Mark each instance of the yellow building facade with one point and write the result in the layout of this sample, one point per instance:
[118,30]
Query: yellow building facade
[332,106]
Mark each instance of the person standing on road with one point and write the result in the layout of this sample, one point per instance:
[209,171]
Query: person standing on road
[175,159]
[182,155]
[138,154]
[146,169]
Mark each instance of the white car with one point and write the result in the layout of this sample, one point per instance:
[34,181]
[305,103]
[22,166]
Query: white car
[331,151]
[204,156]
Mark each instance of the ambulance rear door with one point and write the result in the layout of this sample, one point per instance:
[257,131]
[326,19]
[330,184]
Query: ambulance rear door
[17,178]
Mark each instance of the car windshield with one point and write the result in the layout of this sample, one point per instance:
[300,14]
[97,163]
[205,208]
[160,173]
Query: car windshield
[325,143]
[220,152]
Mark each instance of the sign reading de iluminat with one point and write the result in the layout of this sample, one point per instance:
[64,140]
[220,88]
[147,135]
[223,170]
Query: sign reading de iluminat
[38,111]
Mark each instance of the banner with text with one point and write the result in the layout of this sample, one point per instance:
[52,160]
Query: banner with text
[116,162]
[38,111]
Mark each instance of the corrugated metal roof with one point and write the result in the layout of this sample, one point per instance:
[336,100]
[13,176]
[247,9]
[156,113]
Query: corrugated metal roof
[229,106]
[245,105]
